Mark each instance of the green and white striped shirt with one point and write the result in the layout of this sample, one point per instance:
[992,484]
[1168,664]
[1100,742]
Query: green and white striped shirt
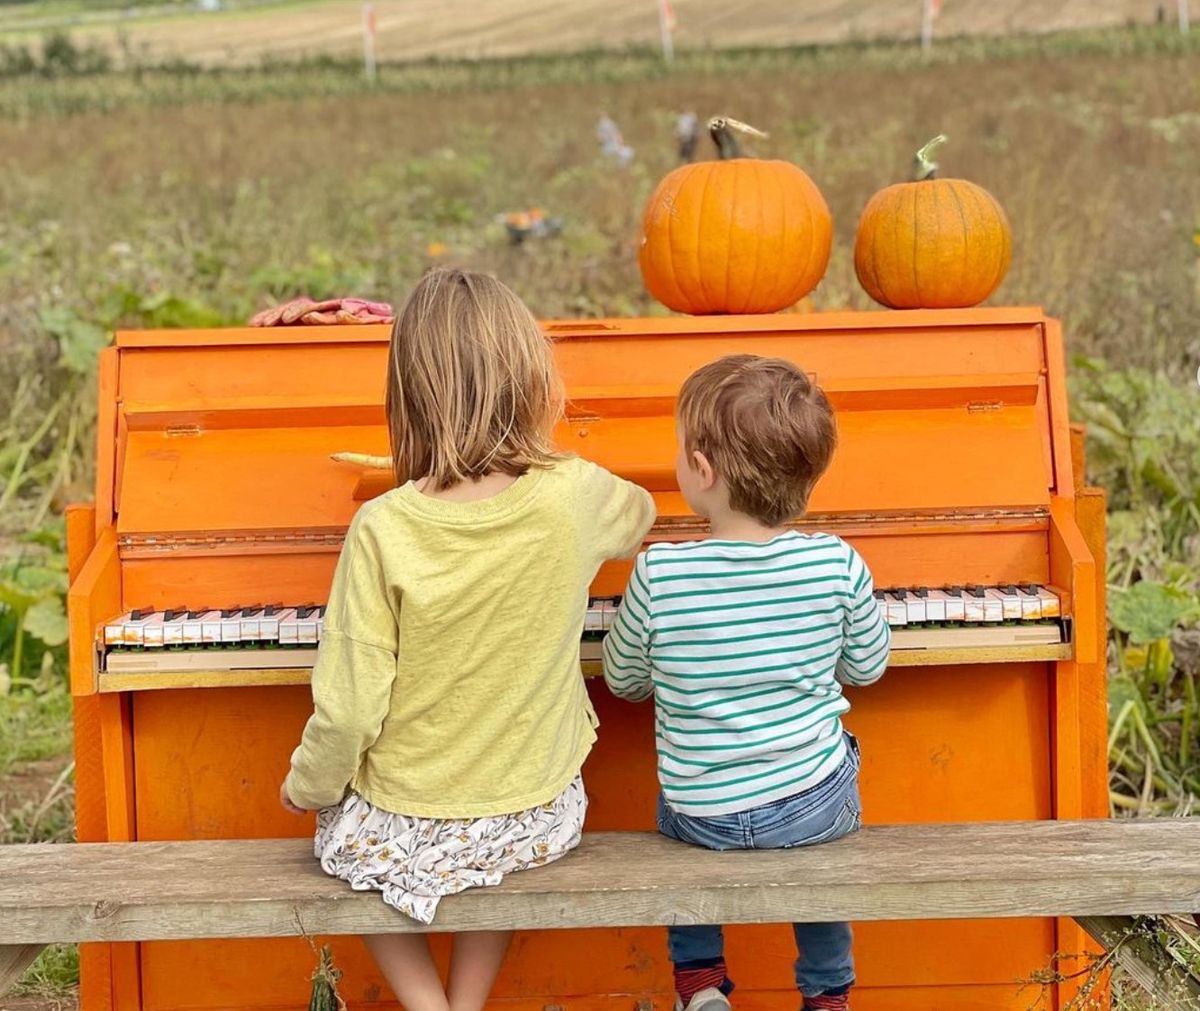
[746,647]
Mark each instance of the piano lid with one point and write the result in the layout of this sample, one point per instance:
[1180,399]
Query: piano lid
[229,432]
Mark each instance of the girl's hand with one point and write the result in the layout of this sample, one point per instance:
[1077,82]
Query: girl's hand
[286,801]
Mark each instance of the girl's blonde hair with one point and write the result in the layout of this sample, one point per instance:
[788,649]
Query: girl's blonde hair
[472,385]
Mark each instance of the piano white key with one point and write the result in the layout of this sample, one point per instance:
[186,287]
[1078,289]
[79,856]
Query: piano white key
[231,625]
[895,610]
[1031,603]
[914,606]
[1010,602]
[133,627]
[593,620]
[993,605]
[609,614]
[1051,605]
[320,623]
[152,630]
[306,625]
[956,604]
[193,631]
[250,625]
[289,627]
[173,626]
[935,606]
[114,631]
[973,600]
[268,625]
[210,628]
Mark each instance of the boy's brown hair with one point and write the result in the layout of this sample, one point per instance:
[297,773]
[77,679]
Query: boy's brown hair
[767,430]
[472,384]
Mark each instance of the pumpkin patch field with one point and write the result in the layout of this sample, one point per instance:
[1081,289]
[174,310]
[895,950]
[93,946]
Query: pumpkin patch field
[175,196]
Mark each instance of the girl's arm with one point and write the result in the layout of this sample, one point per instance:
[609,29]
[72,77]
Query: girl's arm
[353,675]
[627,646]
[621,512]
[866,638]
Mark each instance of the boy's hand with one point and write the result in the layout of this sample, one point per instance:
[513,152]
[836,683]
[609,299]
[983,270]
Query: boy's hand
[286,801]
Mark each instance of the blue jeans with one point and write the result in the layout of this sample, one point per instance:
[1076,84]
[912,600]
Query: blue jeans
[827,811]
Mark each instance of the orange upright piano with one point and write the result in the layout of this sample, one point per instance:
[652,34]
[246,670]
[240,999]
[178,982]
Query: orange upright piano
[200,571]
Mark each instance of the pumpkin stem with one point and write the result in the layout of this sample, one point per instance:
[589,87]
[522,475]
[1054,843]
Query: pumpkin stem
[924,166]
[719,128]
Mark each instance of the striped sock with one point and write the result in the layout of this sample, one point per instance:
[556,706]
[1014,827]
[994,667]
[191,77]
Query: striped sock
[828,1002]
[689,982]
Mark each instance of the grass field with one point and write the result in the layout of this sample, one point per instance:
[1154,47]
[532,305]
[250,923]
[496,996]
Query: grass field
[186,198]
[418,29]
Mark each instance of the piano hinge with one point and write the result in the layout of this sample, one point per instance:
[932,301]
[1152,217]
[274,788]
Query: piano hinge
[230,542]
[982,406]
[250,542]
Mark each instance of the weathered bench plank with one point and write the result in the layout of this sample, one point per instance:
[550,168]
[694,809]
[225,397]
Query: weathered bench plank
[150,891]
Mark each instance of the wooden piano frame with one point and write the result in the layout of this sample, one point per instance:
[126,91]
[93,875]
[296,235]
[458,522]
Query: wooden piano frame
[956,464]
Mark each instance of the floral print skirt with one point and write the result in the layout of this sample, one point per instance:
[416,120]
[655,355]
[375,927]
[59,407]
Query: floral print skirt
[414,862]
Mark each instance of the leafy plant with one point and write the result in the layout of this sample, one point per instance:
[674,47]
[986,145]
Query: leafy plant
[32,598]
[1144,447]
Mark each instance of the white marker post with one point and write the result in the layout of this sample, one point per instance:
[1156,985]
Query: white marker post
[929,12]
[369,40]
[1185,17]
[666,25]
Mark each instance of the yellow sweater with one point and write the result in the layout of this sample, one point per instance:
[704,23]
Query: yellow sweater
[447,684]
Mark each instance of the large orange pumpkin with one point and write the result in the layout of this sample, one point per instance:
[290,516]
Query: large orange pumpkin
[736,235]
[932,243]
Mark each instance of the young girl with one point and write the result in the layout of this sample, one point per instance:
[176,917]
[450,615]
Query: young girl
[451,720]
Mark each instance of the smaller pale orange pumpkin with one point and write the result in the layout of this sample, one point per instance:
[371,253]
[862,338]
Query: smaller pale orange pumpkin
[932,243]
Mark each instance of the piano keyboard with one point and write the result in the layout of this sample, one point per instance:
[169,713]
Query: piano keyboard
[277,637]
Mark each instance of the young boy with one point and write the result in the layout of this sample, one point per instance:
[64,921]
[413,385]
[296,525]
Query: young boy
[745,641]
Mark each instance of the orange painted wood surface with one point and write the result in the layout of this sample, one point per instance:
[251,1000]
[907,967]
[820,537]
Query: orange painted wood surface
[955,465]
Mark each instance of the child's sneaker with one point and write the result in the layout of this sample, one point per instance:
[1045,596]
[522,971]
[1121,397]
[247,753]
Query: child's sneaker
[708,999]
[828,1002]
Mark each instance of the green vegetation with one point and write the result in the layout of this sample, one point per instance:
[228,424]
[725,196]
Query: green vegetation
[1144,434]
[53,975]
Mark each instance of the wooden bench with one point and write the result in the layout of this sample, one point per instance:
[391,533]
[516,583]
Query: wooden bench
[270,888]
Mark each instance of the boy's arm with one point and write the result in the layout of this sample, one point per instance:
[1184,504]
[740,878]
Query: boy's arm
[627,645]
[352,678]
[866,636]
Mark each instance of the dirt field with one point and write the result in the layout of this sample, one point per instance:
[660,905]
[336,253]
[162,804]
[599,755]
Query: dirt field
[412,29]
